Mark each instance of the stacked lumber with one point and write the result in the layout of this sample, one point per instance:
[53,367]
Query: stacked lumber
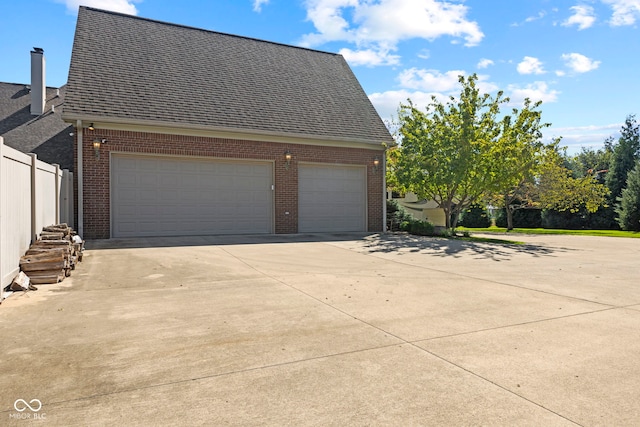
[52,257]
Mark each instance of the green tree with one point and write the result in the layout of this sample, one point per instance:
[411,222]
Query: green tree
[556,188]
[593,162]
[465,151]
[444,151]
[597,164]
[517,154]
[550,185]
[628,208]
[625,155]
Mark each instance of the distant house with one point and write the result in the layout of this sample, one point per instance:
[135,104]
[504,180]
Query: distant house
[31,117]
[201,132]
[426,210]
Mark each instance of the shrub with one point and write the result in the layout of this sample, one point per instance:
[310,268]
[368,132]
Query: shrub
[564,220]
[399,218]
[603,219]
[476,216]
[396,215]
[421,228]
[522,218]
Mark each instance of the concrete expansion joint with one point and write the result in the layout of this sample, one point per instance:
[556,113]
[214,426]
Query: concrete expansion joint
[512,325]
[452,273]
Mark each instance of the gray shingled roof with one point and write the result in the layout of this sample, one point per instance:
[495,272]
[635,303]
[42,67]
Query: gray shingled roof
[46,135]
[132,69]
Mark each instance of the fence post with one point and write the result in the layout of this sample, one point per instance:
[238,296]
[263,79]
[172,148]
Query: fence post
[57,192]
[34,198]
[1,218]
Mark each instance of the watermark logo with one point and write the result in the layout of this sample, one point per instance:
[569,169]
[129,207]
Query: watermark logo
[21,405]
[34,406]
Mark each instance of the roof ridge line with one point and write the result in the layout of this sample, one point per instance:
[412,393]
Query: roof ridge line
[157,21]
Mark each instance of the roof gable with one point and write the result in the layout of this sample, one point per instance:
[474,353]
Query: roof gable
[47,135]
[126,68]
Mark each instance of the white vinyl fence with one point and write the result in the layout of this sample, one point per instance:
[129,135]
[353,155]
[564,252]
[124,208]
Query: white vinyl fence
[33,194]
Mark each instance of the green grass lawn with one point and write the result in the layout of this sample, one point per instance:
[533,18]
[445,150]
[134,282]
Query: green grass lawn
[608,233]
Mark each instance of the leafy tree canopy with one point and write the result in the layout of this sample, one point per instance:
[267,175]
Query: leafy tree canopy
[449,152]
[465,150]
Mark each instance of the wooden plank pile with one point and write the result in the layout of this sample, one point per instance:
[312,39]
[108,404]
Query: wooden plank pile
[52,257]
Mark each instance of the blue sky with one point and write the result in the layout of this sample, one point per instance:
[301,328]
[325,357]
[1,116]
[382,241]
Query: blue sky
[580,57]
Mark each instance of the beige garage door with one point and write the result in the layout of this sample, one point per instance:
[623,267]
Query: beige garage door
[331,198]
[165,196]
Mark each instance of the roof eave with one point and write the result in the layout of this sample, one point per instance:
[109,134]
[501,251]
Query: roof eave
[154,126]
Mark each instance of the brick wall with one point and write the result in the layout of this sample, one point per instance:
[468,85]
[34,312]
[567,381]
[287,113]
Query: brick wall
[96,171]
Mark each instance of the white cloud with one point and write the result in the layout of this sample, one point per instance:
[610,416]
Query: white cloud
[440,84]
[580,63]
[123,6]
[430,80]
[484,63]
[540,15]
[387,103]
[575,137]
[533,18]
[257,5]
[420,86]
[369,57]
[625,12]
[424,54]
[603,129]
[384,23]
[530,65]
[583,17]
[537,91]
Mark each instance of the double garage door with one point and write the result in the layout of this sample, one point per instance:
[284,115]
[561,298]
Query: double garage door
[167,196]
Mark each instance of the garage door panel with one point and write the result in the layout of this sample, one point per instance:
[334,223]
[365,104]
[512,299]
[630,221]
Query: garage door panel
[127,178]
[260,197]
[168,194]
[208,197]
[156,196]
[171,181]
[331,198]
[147,226]
[128,194]
[146,196]
[128,164]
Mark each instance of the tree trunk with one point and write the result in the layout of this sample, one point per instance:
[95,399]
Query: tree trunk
[446,207]
[509,211]
[456,216]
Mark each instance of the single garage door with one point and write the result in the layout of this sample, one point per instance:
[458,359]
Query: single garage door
[167,196]
[331,198]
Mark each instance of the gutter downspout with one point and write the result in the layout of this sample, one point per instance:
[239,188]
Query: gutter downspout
[384,191]
[79,175]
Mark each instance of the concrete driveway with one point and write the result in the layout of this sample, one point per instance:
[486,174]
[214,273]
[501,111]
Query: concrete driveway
[330,330]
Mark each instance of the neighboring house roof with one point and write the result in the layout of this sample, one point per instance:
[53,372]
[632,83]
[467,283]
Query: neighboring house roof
[47,135]
[126,69]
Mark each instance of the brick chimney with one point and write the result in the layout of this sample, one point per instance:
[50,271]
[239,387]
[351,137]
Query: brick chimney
[38,88]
